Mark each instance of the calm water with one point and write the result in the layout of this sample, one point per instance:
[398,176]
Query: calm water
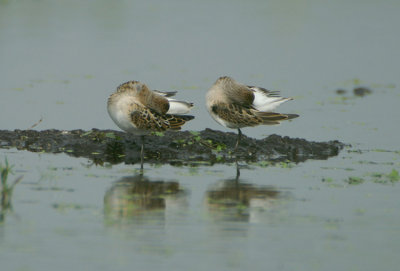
[61,60]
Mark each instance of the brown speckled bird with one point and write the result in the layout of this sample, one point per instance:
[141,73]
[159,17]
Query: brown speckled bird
[235,105]
[138,110]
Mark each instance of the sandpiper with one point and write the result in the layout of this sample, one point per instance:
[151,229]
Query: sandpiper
[138,110]
[235,105]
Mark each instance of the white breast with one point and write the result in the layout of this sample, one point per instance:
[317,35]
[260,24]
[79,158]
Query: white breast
[119,113]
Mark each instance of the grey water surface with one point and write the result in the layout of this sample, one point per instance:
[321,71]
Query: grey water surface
[60,60]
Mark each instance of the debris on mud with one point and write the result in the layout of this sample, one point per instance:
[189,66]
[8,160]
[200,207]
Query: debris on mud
[176,148]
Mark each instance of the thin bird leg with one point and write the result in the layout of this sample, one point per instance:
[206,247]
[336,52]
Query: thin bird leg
[236,158]
[237,170]
[238,139]
[141,154]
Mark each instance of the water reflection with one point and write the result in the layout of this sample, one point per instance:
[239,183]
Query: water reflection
[136,199]
[234,200]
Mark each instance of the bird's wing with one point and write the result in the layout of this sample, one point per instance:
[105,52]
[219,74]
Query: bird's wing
[266,100]
[241,116]
[236,114]
[148,119]
[269,93]
[269,118]
[165,93]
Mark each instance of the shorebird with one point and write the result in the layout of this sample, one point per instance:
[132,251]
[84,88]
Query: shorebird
[138,110]
[235,105]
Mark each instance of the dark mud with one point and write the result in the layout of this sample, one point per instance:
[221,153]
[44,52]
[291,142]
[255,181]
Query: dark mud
[176,148]
[357,91]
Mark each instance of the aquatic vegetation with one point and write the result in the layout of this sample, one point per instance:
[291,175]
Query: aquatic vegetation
[375,177]
[280,164]
[6,190]
[355,180]
[389,178]
[63,207]
[394,176]
[341,91]
[381,150]
[327,180]
[5,170]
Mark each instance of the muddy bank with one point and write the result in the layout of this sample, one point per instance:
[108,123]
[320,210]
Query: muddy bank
[177,148]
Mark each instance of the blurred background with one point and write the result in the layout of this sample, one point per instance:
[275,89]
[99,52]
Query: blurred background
[61,60]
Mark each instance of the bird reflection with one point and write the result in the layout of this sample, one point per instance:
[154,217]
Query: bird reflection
[137,198]
[233,200]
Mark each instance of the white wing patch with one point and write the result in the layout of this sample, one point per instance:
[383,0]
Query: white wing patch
[178,107]
[265,101]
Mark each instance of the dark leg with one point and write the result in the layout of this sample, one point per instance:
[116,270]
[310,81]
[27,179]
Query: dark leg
[237,170]
[237,145]
[238,139]
[141,154]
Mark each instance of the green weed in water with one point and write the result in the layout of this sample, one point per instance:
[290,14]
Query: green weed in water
[5,169]
[382,178]
[376,177]
[5,189]
[394,176]
[380,150]
[282,164]
[62,207]
[355,180]
[327,180]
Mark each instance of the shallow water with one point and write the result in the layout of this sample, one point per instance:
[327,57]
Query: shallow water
[60,61]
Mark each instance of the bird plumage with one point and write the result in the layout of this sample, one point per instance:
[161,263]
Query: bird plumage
[137,109]
[235,105]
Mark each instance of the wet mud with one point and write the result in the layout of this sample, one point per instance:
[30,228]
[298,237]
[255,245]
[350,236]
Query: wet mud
[176,148]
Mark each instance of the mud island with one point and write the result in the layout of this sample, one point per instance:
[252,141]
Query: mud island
[175,148]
